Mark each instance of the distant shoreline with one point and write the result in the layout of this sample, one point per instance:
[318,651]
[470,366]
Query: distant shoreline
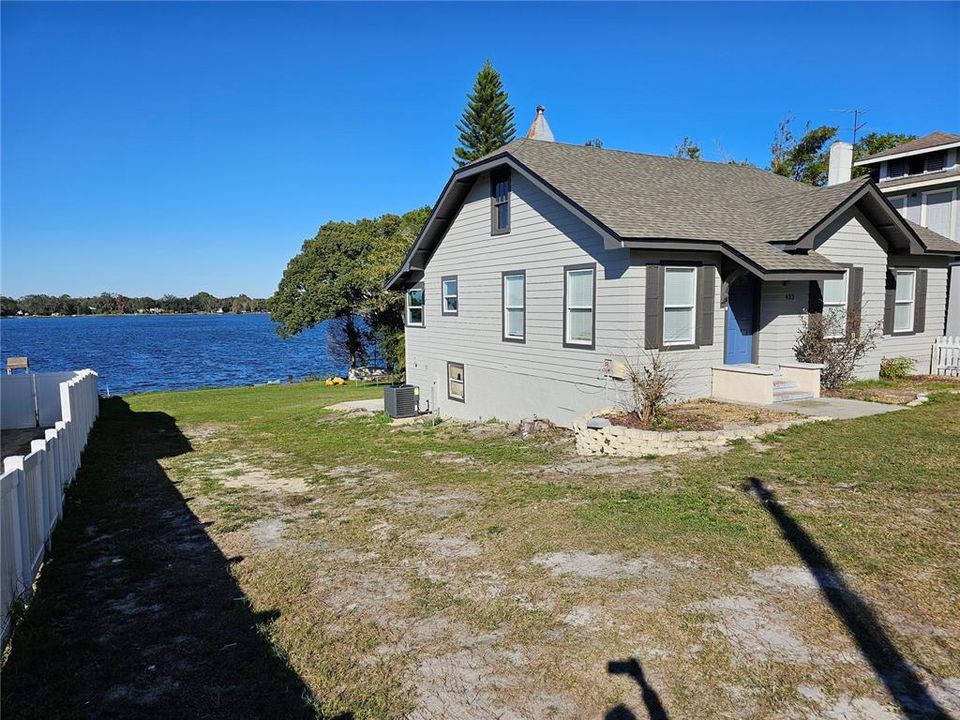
[102,315]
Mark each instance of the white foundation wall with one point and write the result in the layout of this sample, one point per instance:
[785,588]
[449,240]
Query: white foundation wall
[783,304]
[540,377]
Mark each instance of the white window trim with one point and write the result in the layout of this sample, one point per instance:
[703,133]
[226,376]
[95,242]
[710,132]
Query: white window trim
[693,308]
[451,395]
[911,302]
[422,306]
[845,305]
[522,306]
[445,295]
[570,306]
[953,209]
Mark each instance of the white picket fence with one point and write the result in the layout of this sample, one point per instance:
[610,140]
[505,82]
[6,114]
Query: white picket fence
[946,356]
[32,485]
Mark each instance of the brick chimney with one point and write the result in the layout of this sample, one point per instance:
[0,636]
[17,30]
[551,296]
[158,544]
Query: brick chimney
[841,163]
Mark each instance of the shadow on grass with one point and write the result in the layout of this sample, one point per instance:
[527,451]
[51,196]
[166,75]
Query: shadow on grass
[651,700]
[136,612]
[890,667]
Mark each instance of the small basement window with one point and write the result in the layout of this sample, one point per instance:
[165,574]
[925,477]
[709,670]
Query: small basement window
[835,306]
[904,299]
[455,381]
[450,288]
[679,305]
[415,305]
[500,202]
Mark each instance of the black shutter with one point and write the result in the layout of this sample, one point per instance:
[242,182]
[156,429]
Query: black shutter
[705,287]
[854,300]
[920,302]
[653,335]
[815,301]
[889,302]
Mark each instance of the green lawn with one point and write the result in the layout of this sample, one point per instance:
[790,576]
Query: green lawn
[258,551]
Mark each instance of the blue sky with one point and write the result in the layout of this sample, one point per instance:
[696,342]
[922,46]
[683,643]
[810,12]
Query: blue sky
[173,147]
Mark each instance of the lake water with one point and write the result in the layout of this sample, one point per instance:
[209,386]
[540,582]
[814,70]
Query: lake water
[142,353]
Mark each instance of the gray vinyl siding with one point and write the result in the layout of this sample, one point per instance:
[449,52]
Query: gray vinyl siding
[539,377]
[781,307]
[853,244]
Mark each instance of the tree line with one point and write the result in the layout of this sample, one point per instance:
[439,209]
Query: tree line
[339,274]
[117,304]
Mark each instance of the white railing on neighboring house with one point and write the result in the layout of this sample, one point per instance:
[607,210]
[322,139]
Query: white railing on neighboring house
[32,485]
[945,359]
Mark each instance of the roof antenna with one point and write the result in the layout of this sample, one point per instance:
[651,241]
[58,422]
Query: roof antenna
[857,125]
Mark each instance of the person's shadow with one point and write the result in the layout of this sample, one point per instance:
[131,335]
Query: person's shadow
[889,665]
[631,668]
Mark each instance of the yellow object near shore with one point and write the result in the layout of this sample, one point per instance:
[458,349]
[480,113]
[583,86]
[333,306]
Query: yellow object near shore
[331,381]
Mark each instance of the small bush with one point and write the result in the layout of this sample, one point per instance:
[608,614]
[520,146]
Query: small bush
[896,367]
[818,342]
[652,379]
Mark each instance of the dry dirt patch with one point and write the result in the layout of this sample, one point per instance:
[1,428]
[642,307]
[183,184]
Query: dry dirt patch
[241,474]
[703,415]
[599,566]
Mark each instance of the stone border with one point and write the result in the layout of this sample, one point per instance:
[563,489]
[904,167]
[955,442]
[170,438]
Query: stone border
[621,441]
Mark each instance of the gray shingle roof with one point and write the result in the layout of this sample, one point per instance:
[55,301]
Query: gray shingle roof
[934,241]
[641,196]
[750,212]
[934,139]
[648,196]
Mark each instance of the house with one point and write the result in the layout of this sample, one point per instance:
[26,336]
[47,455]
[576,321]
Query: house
[921,179]
[543,265]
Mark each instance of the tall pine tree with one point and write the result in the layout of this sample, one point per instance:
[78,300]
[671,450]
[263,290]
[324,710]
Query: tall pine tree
[487,122]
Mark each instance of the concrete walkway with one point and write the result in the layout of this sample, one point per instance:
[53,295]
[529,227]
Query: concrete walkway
[839,408]
[373,405]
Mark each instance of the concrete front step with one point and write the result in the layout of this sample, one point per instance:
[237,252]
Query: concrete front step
[784,385]
[785,396]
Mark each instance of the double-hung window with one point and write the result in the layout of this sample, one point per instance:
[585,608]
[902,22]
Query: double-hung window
[579,298]
[415,305]
[679,306]
[500,202]
[450,295]
[514,306]
[455,381]
[835,291]
[904,301]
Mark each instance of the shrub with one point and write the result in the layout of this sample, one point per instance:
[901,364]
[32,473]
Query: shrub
[896,367]
[840,356]
[652,379]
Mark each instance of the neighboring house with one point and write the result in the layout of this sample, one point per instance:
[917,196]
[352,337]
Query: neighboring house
[543,264]
[921,179]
